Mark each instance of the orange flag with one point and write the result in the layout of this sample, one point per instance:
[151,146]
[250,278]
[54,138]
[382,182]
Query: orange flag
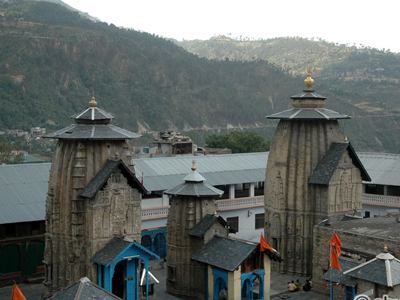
[335,241]
[264,246]
[17,294]
[335,259]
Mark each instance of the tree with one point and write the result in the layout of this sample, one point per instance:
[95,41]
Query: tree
[6,156]
[239,142]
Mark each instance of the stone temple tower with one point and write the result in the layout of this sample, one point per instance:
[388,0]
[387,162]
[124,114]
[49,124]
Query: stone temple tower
[92,196]
[190,203]
[313,175]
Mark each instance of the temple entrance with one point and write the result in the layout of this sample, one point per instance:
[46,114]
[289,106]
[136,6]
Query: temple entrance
[247,290]
[219,285]
[119,265]
[118,280]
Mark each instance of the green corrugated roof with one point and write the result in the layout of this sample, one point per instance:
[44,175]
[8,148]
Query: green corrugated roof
[162,173]
[23,190]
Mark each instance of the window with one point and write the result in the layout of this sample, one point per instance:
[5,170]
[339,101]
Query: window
[259,221]
[170,273]
[275,245]
[233,222]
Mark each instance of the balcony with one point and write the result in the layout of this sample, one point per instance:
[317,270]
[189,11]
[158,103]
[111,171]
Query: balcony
[223,205]
[381,200]
[239,203]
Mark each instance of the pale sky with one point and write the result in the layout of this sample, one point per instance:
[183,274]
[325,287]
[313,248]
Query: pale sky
[370,23]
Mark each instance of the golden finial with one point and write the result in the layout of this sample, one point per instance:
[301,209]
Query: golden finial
[385,248]
[92,103]
[345,138]
[116,154]
[193,165]
[309,82]
[215,212]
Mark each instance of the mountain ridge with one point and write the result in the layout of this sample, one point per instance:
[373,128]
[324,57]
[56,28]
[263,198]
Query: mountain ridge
[52,58]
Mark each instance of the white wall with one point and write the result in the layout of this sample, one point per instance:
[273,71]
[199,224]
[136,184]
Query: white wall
[247,229]
[152,202]
[154,223]
[377,210]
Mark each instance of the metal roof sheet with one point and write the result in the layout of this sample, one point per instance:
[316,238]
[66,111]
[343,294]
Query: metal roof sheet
[23,189]
[383,168]
[162,173]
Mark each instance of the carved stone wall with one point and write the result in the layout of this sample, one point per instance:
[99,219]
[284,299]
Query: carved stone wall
[78,227]
[292,206]
[185,278]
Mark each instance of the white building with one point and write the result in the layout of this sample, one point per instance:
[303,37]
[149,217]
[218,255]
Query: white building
[381,196]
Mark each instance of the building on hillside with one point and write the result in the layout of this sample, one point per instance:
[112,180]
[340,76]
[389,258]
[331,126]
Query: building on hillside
[312,174]
[169,143]
[93,212]
[37,132]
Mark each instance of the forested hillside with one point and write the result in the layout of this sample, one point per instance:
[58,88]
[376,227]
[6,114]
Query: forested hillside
[51,58]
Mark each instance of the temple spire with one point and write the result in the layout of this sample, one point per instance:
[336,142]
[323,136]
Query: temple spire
[92,103]
[309,82]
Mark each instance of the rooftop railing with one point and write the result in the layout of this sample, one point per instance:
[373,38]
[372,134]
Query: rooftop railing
[373,199]
[227,204]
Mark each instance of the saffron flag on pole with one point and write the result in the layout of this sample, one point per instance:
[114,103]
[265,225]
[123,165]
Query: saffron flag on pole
[335,241]
[335,259]
[17,294]
[335,251]
[264,245]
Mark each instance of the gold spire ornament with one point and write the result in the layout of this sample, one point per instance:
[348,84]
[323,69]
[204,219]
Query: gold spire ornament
[193,165]
[309,82]
[92,103]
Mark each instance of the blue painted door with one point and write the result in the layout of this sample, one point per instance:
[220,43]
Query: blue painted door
[132,280]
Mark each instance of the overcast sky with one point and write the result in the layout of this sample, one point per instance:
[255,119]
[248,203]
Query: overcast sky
[370,23]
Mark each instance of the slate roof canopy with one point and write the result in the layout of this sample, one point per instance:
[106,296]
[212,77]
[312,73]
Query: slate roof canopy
[100,179]
[114,248]
[201,228]
[92,124]
[327,166]
[384,269]
[335,275]
[84,289]
[225,253]
[194,186]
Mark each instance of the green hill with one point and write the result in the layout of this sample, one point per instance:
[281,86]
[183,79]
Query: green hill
[52,58]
